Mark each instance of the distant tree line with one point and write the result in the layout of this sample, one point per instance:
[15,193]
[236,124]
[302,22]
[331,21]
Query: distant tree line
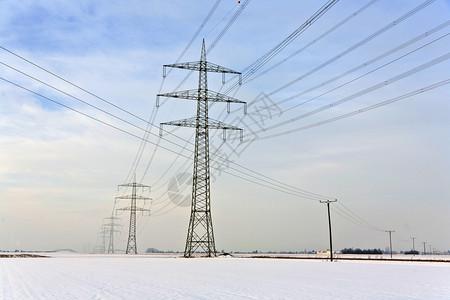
[412,252]
[361,251]
[153,250]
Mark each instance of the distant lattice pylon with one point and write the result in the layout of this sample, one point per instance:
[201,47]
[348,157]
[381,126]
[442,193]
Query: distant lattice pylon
[111,224]
[133,198]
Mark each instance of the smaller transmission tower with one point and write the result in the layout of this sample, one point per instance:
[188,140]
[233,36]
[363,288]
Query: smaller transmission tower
[111,224]
[102,235]
[131,244]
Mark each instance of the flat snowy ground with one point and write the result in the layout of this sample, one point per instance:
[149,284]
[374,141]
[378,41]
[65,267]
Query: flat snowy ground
[153,277]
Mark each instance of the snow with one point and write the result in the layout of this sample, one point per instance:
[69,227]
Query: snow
[164,277]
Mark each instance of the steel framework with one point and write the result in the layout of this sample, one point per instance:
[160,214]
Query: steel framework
[131,244]
[200,231]
[112,231]
[103,235]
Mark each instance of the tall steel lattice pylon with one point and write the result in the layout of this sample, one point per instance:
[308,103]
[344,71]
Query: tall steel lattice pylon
[200,231]
[131,244]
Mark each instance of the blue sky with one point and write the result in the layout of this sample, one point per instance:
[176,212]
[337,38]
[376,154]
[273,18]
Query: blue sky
[389,165]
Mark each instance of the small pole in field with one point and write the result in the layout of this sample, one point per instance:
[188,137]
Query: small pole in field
[390,240]
[329,225]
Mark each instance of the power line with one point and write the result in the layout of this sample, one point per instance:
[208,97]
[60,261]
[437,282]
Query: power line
[165,148]
[311,43]
[170,166]
[338,87]
[355,219]
[358,218]
[364,91]
[357,45]
[228,25]
[363,65]
[386,102]
[278,48]
[341,214]
[308,196]
[221,20]
[354,14]
[375,59]
[71,83]
[198,31]
[400,238]
[71,96]
[382,84]
[84,114]
[78,99]
[165,172]
[147,131]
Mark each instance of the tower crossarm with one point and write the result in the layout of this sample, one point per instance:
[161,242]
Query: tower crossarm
[191,122]
[112,224]
[212,124]
[195,66]
[134,184]
[112,218]
[137,208]
[194,95]
[129,197]
[211,96]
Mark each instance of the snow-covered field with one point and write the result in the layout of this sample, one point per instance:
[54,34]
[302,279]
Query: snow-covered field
[160,277]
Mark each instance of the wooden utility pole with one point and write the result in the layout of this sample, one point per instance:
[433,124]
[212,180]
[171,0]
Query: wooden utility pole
[329,226]
[414,249]
[424,251]
[390,239]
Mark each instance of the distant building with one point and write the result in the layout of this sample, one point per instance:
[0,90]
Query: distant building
[324,252]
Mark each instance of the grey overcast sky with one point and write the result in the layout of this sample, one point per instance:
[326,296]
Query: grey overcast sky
[59,170]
